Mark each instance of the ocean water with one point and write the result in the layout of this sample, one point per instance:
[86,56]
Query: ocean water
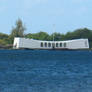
[45,71]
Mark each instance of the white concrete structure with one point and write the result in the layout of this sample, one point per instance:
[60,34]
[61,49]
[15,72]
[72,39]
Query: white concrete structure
[23,43]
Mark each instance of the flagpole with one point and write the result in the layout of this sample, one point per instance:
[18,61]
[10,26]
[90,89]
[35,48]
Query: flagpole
[53,32]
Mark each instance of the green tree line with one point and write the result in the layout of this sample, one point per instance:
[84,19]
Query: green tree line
[19,31]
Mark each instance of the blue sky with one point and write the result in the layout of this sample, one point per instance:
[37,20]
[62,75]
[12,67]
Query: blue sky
[37,15]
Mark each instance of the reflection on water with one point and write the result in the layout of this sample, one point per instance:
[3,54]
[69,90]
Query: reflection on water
[45,71]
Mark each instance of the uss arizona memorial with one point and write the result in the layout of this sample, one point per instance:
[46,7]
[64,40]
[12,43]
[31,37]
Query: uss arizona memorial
[25,43]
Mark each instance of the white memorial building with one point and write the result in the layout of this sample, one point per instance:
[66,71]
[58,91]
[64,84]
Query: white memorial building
[25,43]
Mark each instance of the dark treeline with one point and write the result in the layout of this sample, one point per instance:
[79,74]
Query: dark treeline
[19,31]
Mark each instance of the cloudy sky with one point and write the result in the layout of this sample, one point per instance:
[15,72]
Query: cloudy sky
[37,15]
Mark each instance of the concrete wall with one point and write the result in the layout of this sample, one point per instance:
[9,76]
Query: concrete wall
[36,44]
[78,44]
[16,43]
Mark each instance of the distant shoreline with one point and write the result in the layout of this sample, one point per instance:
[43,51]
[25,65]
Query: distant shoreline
[9,46]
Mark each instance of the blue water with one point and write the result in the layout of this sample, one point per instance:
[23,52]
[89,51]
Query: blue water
[45,71]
